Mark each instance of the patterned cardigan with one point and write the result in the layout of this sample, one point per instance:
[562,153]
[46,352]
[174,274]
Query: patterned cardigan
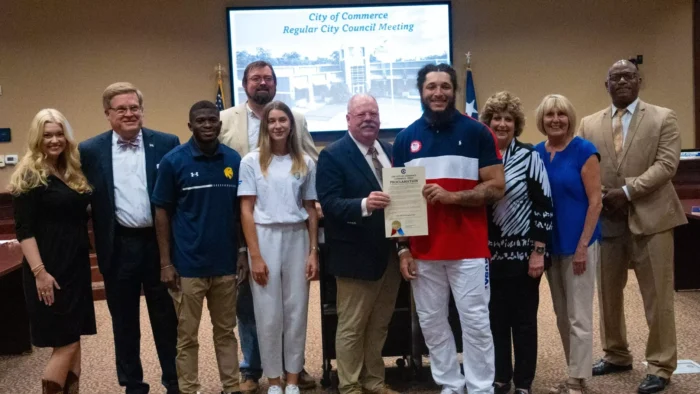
[523,215]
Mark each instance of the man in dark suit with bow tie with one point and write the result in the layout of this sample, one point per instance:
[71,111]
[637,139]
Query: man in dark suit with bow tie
[121,165]
[363,260]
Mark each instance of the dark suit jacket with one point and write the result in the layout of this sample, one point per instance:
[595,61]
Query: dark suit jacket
[357,246]
[96,162]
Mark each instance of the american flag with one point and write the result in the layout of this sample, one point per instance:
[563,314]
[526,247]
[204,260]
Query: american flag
[220,95]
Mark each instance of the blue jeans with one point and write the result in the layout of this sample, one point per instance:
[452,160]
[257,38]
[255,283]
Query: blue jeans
[247,332]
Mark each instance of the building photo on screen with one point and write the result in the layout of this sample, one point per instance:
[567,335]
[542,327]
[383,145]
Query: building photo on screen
[324,55]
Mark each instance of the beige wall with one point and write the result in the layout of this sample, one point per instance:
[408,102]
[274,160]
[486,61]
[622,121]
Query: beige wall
[63,54]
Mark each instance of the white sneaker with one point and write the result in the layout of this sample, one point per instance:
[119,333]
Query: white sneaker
[290,389]
[447,390]
[275,390]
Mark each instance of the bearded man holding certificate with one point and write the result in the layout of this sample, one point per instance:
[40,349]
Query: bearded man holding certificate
[464,173]
[363,260]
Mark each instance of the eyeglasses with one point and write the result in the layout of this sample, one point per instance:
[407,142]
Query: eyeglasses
[372,115]
[258,79]
[618,76]
[135,109]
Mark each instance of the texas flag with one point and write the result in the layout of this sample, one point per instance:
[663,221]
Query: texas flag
[471,108]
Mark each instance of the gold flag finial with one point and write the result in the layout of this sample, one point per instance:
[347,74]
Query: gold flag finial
[469,59]
[219,72]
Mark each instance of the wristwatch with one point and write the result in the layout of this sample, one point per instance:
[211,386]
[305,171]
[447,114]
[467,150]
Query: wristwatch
[402,247]
[539,250]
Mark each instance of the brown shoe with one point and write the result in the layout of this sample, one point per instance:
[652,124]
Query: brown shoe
[381,390]
[557,389]
[72,385]
[306,382]
[50,387]
[249,386]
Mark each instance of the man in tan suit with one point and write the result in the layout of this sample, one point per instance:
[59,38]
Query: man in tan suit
[240,130]
[241,124]
[640,146]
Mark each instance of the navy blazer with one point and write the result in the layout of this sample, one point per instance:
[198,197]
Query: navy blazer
[96,162]
[357,246]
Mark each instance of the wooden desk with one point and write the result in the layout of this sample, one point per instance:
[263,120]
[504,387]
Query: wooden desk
[686,269]
[14,329]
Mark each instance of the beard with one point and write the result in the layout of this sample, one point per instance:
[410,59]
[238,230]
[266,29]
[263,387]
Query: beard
[261,96]
[438,119]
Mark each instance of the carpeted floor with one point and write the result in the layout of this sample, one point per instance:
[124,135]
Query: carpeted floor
[21,374]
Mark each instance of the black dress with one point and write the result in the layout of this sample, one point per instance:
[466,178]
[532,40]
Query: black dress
[56,216]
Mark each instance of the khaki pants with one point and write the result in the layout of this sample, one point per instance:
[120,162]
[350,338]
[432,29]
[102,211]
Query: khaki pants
[220,292]
[572,298]
[651,257]
[364,312]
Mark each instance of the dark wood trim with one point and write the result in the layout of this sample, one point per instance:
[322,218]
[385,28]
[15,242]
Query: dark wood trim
[696,67]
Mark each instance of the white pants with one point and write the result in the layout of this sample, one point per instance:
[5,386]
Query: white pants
[281,306]
[469,282]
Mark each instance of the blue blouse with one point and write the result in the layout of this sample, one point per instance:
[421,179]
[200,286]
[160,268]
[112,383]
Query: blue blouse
[568,194]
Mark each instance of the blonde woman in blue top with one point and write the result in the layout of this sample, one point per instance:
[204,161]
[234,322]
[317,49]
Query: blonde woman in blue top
[573,166]
[278,192]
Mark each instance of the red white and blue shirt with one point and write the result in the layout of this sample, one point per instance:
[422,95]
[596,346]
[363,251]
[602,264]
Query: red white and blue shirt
[452,157]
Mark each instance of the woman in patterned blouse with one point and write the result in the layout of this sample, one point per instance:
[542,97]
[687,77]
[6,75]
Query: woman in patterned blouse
[519,227]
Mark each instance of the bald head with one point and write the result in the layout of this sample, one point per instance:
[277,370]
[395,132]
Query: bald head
[363,118]
[623,83]
[623,62]
[358,99]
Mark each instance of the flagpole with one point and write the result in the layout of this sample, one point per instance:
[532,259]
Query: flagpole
[220,81]
[471,107]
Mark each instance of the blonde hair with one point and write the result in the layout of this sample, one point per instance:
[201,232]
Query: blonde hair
[118,88]
[555,101]
[293,146]
[33,170]
[504,101]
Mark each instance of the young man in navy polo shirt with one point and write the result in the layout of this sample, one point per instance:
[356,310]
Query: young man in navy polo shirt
[196,199]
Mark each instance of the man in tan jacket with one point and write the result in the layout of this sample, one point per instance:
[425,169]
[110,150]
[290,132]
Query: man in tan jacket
[241,124]
[240,130]
[640,146]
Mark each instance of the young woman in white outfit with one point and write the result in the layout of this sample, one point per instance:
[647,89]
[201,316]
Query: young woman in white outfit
[277,192]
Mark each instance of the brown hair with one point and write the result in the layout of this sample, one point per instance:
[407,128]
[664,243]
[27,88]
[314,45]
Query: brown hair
[293,146]
[118,88]
[504,101]
[258,64]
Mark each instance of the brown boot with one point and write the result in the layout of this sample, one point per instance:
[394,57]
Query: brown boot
[50,387]
[72,384]
[248,386]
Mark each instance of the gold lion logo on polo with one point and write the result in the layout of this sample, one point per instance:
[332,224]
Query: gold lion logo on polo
[228,172]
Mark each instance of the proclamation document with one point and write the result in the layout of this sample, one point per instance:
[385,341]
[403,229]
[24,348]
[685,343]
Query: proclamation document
[407,214]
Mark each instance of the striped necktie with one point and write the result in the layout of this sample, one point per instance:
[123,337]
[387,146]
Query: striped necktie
[618,139]
[375,161]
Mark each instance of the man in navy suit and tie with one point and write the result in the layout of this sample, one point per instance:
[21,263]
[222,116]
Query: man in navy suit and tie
[121,165]
[363,260]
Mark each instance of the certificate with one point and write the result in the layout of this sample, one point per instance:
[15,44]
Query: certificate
[407,214]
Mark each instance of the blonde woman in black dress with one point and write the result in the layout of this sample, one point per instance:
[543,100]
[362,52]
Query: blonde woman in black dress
[50,198]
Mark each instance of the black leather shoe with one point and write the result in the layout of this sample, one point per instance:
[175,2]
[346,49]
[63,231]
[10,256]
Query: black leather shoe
[503,388]
[603,367]
[652,384]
